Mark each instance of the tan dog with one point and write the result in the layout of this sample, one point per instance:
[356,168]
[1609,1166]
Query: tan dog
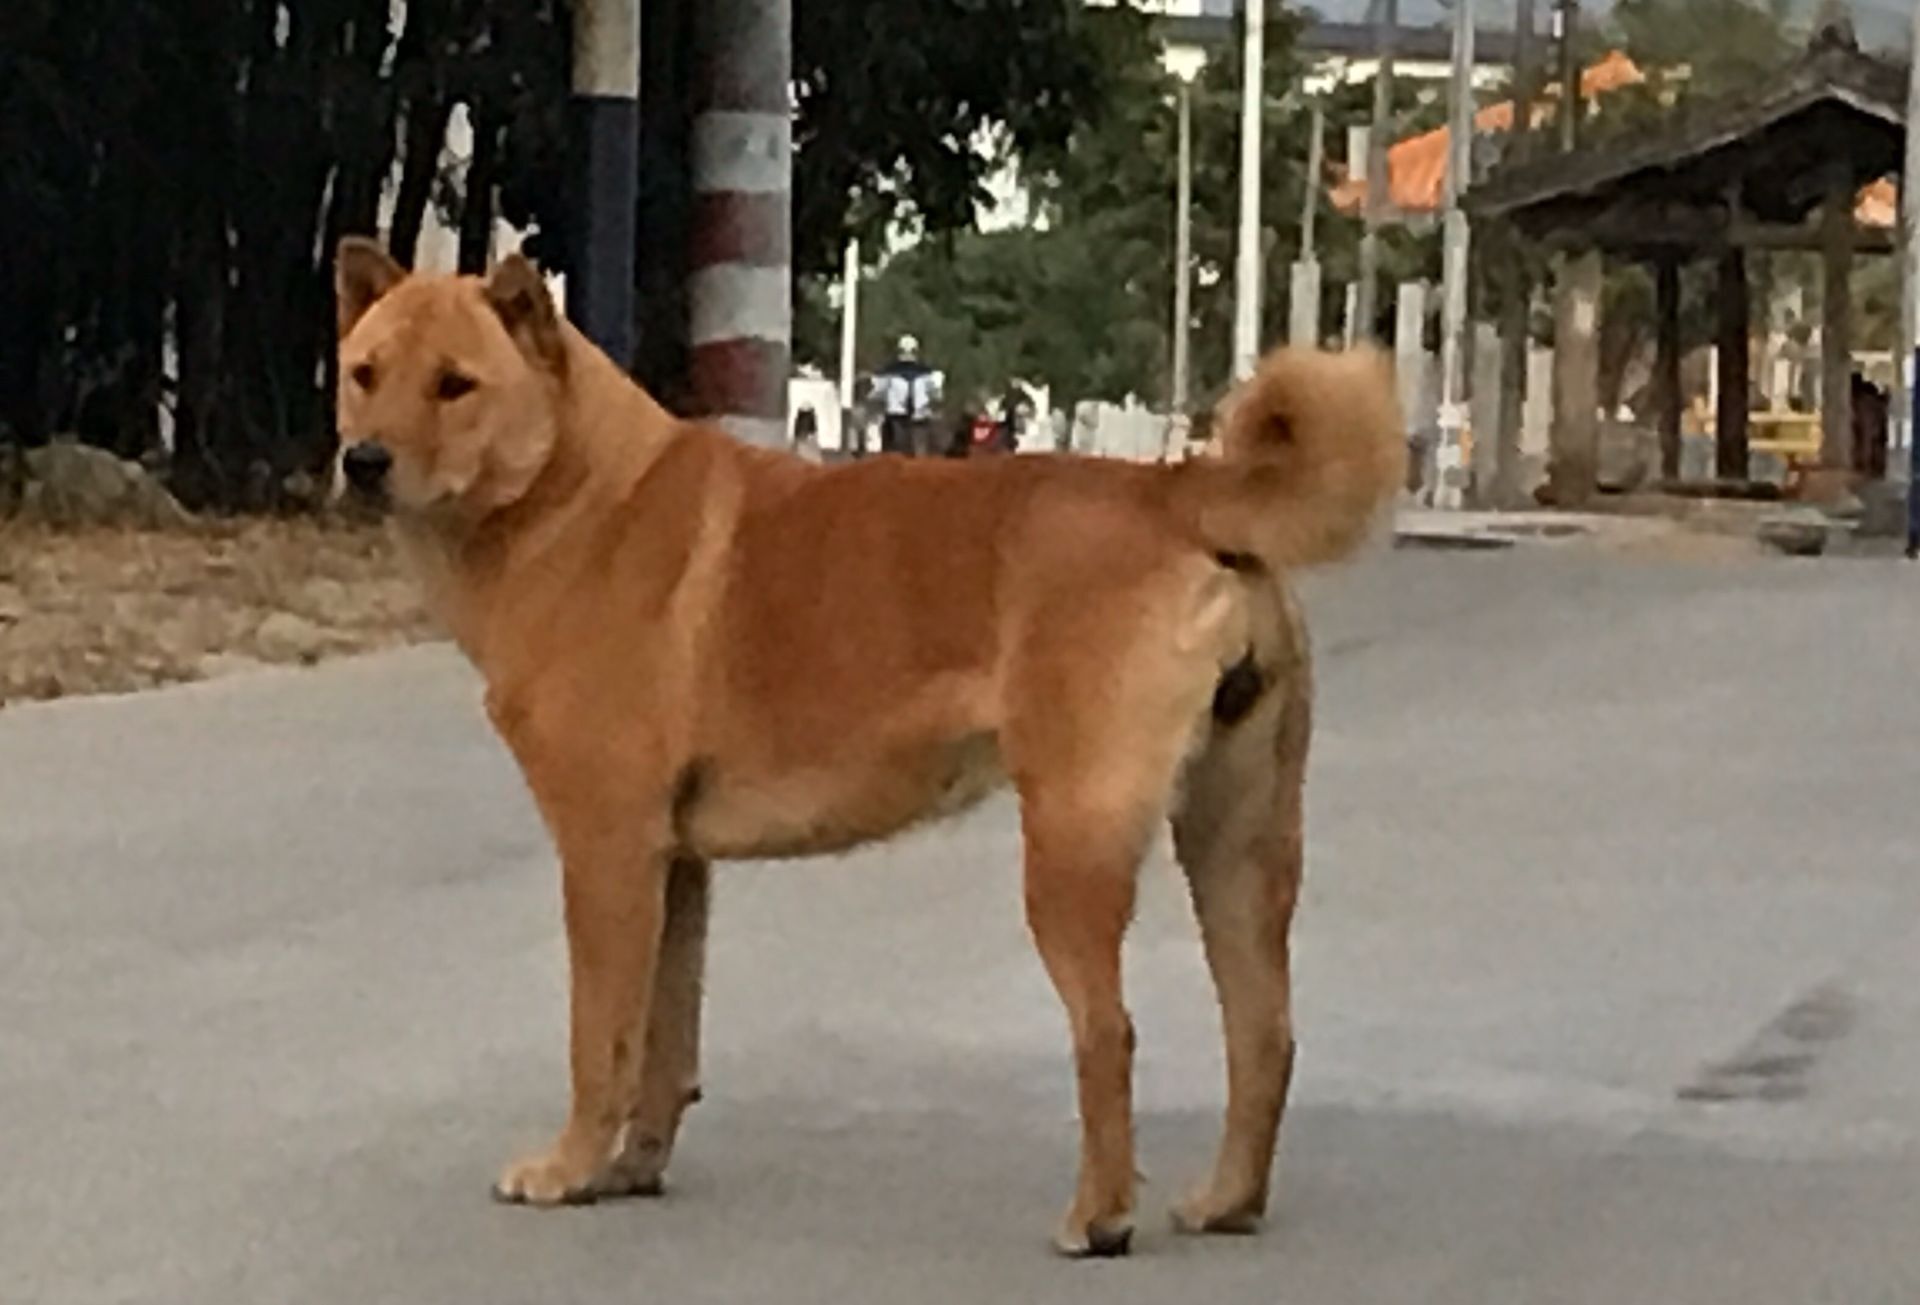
[699,650]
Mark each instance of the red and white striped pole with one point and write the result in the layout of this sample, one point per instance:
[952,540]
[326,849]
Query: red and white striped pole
[739,279]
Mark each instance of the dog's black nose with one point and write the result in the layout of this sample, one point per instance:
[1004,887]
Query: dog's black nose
[366,465]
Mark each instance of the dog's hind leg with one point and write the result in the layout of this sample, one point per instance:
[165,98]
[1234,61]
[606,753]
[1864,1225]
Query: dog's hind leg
[670,1072]
[1094,741]
[1238,836]
[1080,882]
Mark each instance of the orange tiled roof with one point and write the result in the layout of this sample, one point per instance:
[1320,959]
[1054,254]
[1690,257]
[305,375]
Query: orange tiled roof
[1417,166]
[1879,206]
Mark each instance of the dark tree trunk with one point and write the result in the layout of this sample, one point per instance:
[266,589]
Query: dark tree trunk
[477,204]
[664,221]
[426,135]
[200,322]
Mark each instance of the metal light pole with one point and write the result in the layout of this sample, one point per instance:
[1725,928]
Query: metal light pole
[1386,27]
[1183,255]
[1450,460]
[1186,64]
[852,442]
[1246,315]
[1566,29]
[605,106]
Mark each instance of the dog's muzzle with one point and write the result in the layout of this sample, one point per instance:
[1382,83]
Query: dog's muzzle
[365,466]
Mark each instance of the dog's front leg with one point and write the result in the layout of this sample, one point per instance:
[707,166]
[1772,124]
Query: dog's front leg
[670,1074]
[615,904]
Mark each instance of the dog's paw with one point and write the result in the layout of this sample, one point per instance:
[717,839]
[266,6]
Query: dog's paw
[639,1170]
[1094,1239]
[548,1180]
[1202,1212]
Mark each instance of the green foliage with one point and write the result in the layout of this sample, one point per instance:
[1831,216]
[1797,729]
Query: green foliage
[1725,46]
[894,97]
[1081,298]
[179,170]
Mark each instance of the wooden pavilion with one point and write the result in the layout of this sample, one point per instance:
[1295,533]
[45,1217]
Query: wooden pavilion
[1780,169]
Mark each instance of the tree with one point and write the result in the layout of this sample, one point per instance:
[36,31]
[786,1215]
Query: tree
[903,109]
[174,175]
[1080,299]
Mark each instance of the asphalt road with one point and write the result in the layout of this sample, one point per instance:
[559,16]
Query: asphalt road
[1608,990]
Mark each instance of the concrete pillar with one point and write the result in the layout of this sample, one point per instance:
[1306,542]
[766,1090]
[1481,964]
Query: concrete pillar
[1574,459]
[1490,386]
[1410,351]
[739,276]
[1303,305]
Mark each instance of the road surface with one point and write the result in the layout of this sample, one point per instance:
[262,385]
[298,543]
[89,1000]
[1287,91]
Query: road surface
[1607,990]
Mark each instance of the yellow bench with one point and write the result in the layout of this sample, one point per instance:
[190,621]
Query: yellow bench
[1792,436]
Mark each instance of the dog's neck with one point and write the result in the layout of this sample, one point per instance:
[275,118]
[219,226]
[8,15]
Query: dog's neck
[609,433]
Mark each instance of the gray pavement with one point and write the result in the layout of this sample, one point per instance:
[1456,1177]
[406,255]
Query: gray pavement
[280,987]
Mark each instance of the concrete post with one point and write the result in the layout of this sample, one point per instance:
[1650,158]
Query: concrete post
[1574,465]
[1450,487]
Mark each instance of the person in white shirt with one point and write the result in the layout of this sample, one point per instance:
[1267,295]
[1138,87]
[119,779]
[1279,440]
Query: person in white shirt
[907,393]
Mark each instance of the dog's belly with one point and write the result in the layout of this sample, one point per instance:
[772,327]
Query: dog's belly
[749,814]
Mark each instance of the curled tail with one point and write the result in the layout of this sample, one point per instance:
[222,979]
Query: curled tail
[1309,447]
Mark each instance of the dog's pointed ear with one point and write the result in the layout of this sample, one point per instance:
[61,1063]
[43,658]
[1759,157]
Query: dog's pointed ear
[518,293]
[362,272]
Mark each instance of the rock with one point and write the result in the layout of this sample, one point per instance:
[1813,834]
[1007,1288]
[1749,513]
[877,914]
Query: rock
[302,490]
[69,484]
[325,597]
[216,666]
[284,637]
[1629,456]
[1801,533]
[1883,512]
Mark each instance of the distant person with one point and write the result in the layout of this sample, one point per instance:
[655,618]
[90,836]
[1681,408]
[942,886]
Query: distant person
[907,392]
[1872,413]
[806,434]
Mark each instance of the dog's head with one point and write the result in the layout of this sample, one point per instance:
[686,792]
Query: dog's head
[449,386]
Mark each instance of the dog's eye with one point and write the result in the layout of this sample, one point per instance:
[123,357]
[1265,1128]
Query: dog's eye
[362,375]
[452,385]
